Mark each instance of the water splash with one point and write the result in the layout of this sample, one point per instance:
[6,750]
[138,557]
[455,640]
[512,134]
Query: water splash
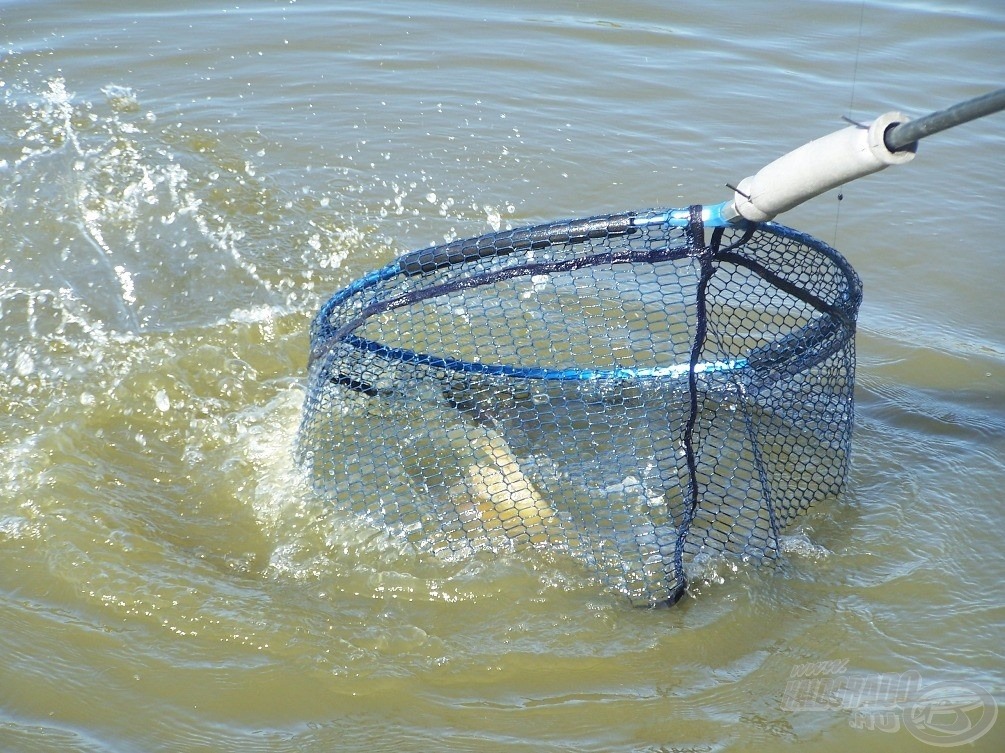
[152,226]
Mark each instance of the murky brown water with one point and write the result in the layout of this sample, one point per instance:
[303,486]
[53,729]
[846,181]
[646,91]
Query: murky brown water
[182,185]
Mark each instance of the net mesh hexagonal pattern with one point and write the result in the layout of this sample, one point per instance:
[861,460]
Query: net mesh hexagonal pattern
[636,392]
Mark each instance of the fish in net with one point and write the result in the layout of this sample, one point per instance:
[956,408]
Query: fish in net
[639,390]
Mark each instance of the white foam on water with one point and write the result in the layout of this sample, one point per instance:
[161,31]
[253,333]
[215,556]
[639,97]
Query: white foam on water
[800,544]
[121,98]
[259,439]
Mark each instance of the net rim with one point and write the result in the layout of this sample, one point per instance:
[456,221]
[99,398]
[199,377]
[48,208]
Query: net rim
[324,332]
[675,371]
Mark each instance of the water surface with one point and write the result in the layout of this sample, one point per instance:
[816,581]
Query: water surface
[181,186]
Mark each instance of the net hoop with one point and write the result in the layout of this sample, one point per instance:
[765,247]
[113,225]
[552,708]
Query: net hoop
[324,334]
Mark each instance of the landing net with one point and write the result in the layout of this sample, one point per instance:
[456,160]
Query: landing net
[637,392]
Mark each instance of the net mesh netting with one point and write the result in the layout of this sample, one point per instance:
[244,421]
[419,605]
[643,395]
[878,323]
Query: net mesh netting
[636,394]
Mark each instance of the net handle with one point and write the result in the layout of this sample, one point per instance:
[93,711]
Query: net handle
[843,156]
[906,135]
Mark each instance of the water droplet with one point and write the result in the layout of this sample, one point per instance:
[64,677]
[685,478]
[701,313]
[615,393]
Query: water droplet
[25,364]
[162,401]
[493,217]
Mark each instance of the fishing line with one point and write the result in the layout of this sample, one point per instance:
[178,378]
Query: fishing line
[851,107]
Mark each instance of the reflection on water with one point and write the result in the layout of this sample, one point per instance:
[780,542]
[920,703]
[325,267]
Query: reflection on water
[180,187]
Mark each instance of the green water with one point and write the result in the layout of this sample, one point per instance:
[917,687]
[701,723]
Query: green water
[183,184]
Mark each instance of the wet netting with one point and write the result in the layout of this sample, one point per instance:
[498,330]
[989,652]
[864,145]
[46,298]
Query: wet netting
[639,392]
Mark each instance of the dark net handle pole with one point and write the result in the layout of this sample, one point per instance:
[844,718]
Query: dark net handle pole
[905,135]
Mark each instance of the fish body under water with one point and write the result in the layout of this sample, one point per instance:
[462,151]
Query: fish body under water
[495,494]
